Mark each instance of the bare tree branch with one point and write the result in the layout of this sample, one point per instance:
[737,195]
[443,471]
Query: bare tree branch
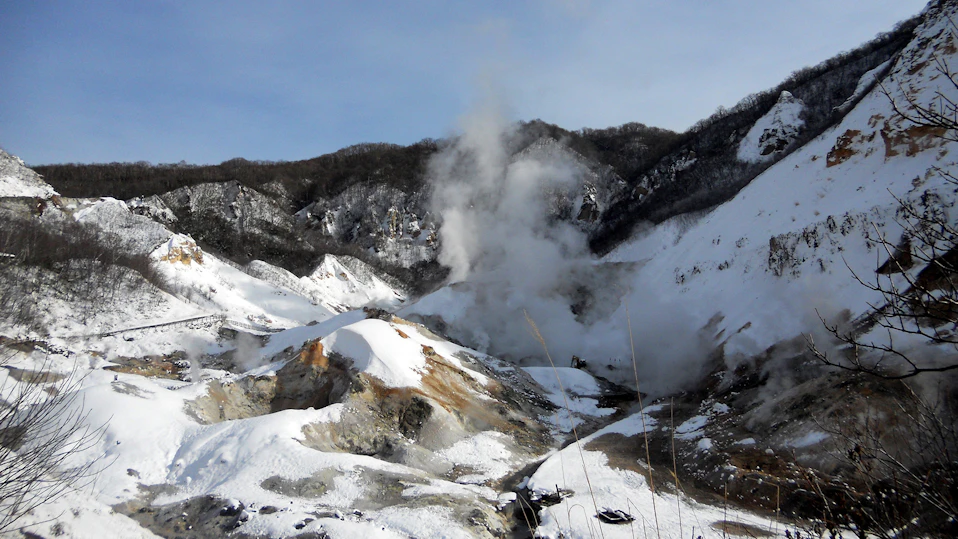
[43,422]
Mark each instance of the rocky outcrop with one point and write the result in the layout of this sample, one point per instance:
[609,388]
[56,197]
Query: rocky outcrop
[232,219]
[593,187]
[393,224]
[154,208]
[772,133]
[403,423]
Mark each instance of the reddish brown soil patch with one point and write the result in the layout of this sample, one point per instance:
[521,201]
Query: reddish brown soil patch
[313,356]
[913,139]
[184,255]
[153,367]
[842,150]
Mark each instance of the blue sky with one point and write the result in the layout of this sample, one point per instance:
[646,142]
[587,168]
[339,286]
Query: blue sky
[165,81]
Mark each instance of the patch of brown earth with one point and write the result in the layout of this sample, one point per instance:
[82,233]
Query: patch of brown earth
[730,527]
[622,451]
[911,140]
[918,66]
[843,149]
[240,399]
[313,356]
[170,367]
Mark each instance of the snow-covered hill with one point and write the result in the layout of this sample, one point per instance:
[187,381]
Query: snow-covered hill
[776,252]
[136,272]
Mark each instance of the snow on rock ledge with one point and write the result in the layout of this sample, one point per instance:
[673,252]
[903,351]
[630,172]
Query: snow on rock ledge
[339,284]
[134,233]
[216,285]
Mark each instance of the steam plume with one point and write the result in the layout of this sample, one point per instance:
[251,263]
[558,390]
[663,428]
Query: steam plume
[510,253]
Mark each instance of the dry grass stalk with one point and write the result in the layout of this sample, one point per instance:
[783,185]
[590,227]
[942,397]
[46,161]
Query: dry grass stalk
[565,400]
[523,504]
[725,513]
[645,430]
[675,466]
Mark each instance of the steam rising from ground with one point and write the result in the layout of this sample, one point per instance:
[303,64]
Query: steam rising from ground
[511,255]
[495,210]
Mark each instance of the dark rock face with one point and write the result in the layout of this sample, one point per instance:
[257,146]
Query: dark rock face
[238,221]
[395,225]
[413,416]
[312,380]
[197,518]
[589,211]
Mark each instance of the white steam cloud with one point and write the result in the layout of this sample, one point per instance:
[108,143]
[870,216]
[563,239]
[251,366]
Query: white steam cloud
[495,211]
[509,254]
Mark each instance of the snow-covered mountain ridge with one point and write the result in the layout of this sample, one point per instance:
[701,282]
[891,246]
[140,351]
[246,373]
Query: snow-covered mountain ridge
[373,201]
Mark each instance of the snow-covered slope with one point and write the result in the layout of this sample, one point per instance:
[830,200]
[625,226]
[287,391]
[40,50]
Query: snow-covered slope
[771,256]
[219,287]
[350,423]
[16,180]
[350,286]
[134,233]
[339,283]
[415,438]
[601,474]
[192,283]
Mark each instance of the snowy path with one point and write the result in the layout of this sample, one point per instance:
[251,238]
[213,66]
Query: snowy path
[196,321]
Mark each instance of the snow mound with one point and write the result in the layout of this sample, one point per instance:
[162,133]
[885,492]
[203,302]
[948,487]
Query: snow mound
[380,350]
[773,132]
[298,336]
[16,180]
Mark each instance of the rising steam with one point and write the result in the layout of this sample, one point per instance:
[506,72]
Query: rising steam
[509,253]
